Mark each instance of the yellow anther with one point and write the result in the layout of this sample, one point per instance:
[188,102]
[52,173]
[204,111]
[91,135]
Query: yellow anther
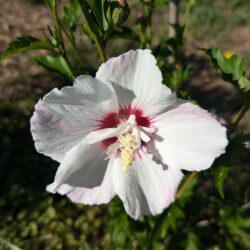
[128,146]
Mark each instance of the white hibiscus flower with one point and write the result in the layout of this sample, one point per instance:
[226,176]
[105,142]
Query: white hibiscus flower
[124,133]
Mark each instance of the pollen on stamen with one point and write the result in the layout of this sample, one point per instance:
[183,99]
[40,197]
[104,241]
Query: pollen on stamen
[128,146]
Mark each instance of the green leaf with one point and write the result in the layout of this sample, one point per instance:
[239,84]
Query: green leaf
[158,246]
[231,69]
[57,64]
[115,13]
[71,14]
[92,23]
[52,4]
[236,222]
[177,78]
[26,43]
[220,174]
[161,2]
[191,3]
[244,84]
[86,30]
[169,221]
[97,7]
[192,241]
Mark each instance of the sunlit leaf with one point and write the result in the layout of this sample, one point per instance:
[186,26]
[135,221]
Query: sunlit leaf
[57,64]
[220,174]
[231,69]
[244,84]
[26,43]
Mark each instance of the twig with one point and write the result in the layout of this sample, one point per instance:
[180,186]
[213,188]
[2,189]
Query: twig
[173,17]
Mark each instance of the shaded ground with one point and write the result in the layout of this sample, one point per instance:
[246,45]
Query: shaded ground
[205,83]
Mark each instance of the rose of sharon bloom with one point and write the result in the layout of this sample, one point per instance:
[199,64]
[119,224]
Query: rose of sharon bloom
[124,133]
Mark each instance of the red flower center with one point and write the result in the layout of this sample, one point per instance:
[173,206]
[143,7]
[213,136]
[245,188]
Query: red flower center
[111,120]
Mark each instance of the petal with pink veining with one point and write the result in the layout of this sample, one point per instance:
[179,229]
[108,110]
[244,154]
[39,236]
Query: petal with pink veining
[137,71]
[188,137]
[146,188]
[64,117]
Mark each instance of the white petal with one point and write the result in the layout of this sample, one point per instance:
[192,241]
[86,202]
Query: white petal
[57,128]
[137,71]
[64,117]
[189,138]
[97,92]
[83,166]
[146,188]
[86,91]
[62,189]
[98,195]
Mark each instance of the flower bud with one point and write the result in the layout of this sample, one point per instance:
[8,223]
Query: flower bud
[117,12]
[140,19]
[122,3]
[140,15]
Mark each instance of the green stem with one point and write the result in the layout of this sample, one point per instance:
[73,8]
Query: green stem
[75,49]
[59,30]
[65,56]
[92,24]
[239,116]
[149,9]
[150,34]
[186,184]
[100,50]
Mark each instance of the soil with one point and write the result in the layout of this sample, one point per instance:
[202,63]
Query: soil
[21,77]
